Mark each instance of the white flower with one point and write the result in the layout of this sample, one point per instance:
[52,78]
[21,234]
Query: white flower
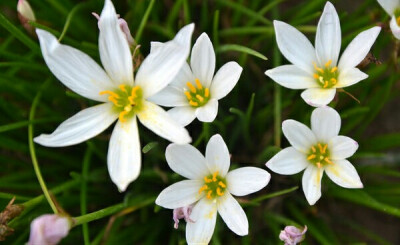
[319,70]
[124,98]
[195,91]
[25,10]
[211,186]
[317,150]
[49,229]
[392,7]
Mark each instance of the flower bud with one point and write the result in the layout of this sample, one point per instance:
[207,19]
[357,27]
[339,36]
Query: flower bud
[182,213]
[25,14]
[49,229]
[292,235]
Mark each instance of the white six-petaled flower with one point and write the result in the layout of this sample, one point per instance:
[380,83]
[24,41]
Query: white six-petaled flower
[319,70]
[195,91]
[317,150]
[392,7]
[210,186]
[122,97]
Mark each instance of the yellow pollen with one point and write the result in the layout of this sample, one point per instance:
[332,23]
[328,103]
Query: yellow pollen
[122,87]
[321,80]
[328,161]
[214,178]
[207,180]
[192,103]
[311,157]
[221,184]
[326,84]
[188,96]
[199,97]
[320,147]
[219,192]
[333,80]
[324,149]
[206,92]
[321,157]
[191,87]
[128,108]
[313,149]
[198,83]
[319,165]
[327,64]
[121,116]
[333,69]
[203,188]
[315,75]
[317,68]
[110,93]
[209,193]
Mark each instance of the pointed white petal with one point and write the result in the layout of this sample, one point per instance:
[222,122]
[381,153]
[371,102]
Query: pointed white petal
[312,183]
[318,97]
[217,155]
[290,76]
[325,123]
[395,27]
[202,60]
[187,161]
[225,80]
[80,127]
[204,215]
[208,112]
[288,161]
[124,154]
[295,46]
[180,194]
[183,115]
[114,48]
[350,77]
[389,5]
[233,214]
[184,37]
[358,49]
[342,147]
[328,38]
[154,46]
[170,96]
[247,180]
[298,135]
[157,120]
[73,68]
[343,173]
[184,75]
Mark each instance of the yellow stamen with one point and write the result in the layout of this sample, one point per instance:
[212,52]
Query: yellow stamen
[320,147]
[327,64]
[317,68]
[131,100]
[209,193]
[110,93]
[122,87]
[207,180]
[206,92]
[113,100]
[219,192]
[191,87]
[333,80]
[321,80]
[201,99]
[310,157]
[222,184]
[313,149]
[328,161]
[198,83]
[319,165]
[334,69]
[203,188]
[326,84]
[128,108]
[214,177]
[324,149]
[121,116]
[188,96]
[192,103]
[316,76]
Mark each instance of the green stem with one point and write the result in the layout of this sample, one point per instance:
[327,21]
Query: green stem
[143,22]
[277,93]
[85,171]
[69,18]
[98,214]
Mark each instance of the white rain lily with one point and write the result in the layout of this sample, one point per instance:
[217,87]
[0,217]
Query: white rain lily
[195,91]
[319,70]
[123,98]
[317,150]
[392,7]
[210,186]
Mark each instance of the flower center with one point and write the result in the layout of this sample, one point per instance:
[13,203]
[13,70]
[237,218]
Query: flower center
[127,100]
[397,15]
[197,95]
[327,76]
[214,186]
[319,155]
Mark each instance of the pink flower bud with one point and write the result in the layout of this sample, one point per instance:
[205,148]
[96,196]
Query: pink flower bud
[25,14]
[182,213]
[49,229]
[292,235]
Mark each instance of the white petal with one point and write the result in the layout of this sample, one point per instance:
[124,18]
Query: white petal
[295,46]
[183,115]
[290,76]
[395,27]
[328,38]
[233,214]
[180,194]
[170,96]
[80,127]
[358,49]
[157,120]
[247,180]
[312,183]
[325,123]
[184,37]
[288,161]
[217,155]
[207,112]
[154,46]
[298,135]
[318,97]
[343,173]
[187,161]
[202,60]
[204,215]
[184,75]
[124,154]
[350,77]
[342,147]
[73,68]
[114,48]
[225,80]
[389,5]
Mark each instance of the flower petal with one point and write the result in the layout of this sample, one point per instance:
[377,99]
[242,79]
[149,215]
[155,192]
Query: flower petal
[114,48]
[225,80]
[217,155]
[207,112]
[180,194]
[187,161]
[73,68]
[170,96]
[184,75]
[295,46]
[350,77]
[183,115]
[80,127]
[290,76]
[395,27]
[247,180]
[343,173]
[389,5]
[288,161]
[342,147]
[204,215]
[328,38]
[312,183]
[233,214]
[157,120]
[358,49]
[325,123]
[202,60]
[298,135]
[124,154]
[318,97]
[184,37]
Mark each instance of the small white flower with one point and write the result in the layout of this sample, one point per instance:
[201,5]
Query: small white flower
[211,186]
[25,10]
[195,91]
[319,70]
[49,229]
[124,98]
[392,7]
[317,150]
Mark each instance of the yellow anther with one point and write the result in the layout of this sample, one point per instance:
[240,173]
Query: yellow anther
[122,87]
[327,64]
[317,68]
[128,108]
[201,99]
[214,177]
[310,157]
[333,80]
[134,90]
[398,21]
[206,92]
[313,149]
[319,165]
[324,149]
[321,80]
[320,147]
[315,75]
[326,84]
[209,193]
[131,100]
[334,69]
[113,100]
[219,192]
[188,96]
[121,116]
[110,93]
[203,188]
[207,180]
[198,84]
[191,87]
[222,184]
[193,103]
[328,161]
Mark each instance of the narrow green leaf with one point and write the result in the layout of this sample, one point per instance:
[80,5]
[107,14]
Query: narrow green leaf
[240,48]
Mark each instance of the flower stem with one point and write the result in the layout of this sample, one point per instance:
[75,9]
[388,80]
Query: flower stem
[85,170]
[143,22]
[277,93]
